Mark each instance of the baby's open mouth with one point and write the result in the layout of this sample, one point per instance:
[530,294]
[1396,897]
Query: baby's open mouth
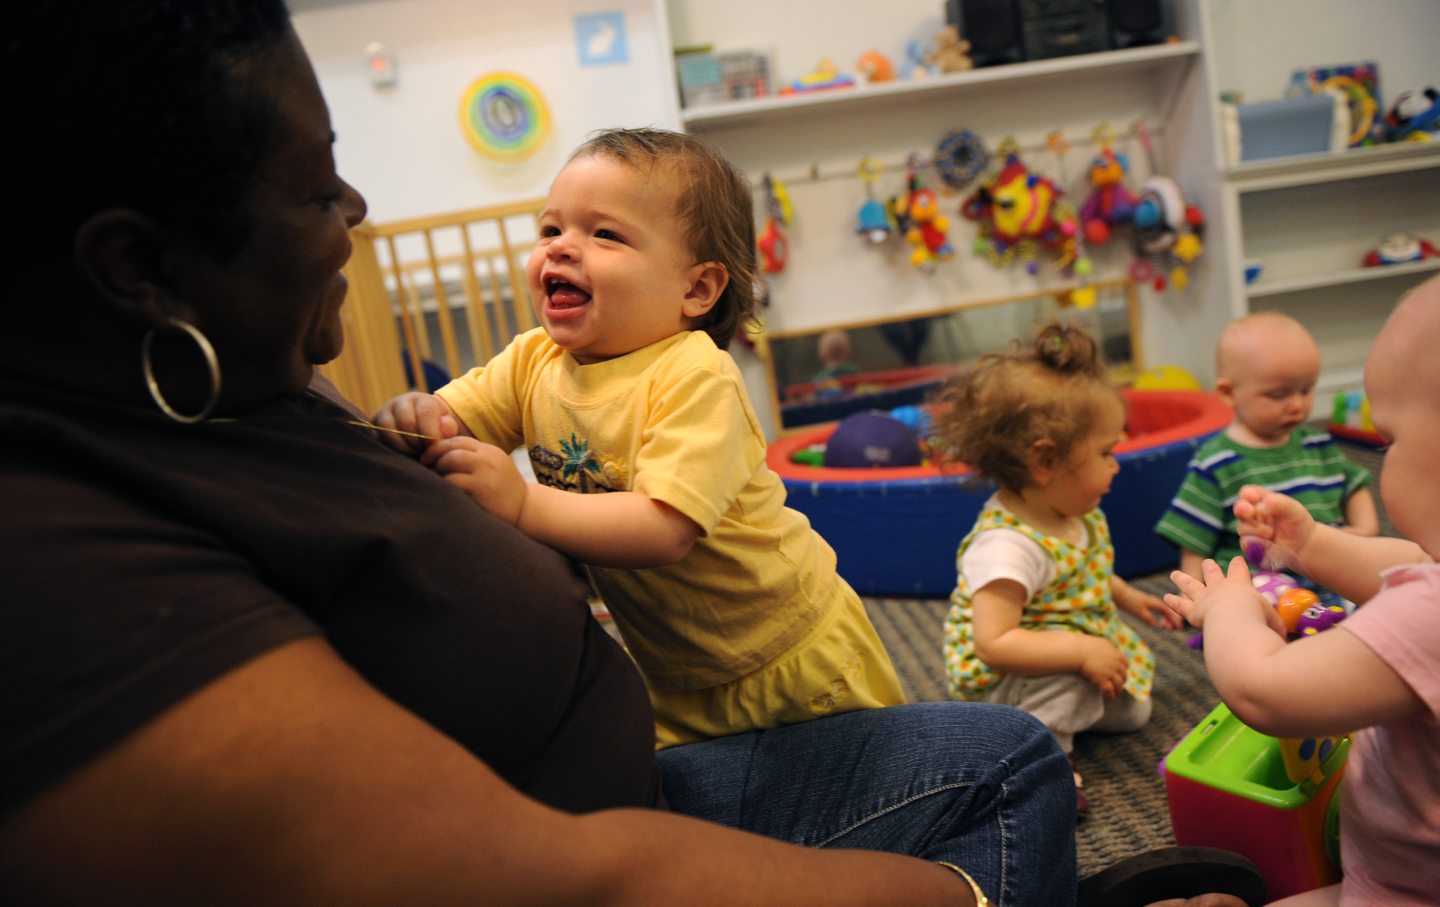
[564,295]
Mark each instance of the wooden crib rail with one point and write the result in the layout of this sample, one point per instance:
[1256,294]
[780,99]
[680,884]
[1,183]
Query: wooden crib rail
[448,282]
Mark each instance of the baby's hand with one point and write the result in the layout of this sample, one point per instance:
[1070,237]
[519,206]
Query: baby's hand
[419,414]
[1148,608]
[483,471]
[1216,589]
[1103,665]
[1279,521]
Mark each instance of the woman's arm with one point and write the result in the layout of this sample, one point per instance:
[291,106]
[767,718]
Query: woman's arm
[291,781]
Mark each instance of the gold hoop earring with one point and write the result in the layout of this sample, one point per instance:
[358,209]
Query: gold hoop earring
[211,362]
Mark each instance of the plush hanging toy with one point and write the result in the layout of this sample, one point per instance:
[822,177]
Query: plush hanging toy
[774,247]
[1167,234]
[1110,203]
[1019,212]
[927,229]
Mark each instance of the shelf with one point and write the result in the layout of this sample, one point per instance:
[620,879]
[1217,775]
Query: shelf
[1300,170]
[1336,278]
[1114,62]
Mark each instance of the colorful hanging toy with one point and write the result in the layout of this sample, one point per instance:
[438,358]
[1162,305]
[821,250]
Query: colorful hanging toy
[875,222]
[774,247]
[1110,203]
[1083,296]
[1019,212]
[1167,228]
[960,158]
[926,228]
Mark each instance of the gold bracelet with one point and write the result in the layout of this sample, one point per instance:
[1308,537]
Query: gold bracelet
[980,899]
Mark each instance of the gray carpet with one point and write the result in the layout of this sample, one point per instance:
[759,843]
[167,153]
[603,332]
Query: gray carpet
[1128,810]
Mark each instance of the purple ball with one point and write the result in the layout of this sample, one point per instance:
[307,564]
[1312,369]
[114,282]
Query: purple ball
[872,439]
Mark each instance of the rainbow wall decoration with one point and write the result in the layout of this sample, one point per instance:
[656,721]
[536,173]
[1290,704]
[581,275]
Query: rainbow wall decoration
[504,116]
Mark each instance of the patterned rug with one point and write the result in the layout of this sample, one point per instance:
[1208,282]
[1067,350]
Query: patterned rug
[1128,810]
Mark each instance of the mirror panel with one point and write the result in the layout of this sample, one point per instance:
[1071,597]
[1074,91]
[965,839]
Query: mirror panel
[824,374]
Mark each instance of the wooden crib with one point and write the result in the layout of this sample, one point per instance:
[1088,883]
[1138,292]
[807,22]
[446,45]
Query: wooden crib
[431,297]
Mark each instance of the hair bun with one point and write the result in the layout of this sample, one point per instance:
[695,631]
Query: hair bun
[1069,350]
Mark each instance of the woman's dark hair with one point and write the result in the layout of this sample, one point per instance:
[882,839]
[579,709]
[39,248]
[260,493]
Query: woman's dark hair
[990,419]
[137,104]
[715,205]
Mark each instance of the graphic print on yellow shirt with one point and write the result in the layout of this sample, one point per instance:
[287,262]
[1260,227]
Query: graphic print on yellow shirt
[575,467]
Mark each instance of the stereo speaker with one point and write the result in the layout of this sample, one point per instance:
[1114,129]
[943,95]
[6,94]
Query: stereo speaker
[1136,23]
[991,26]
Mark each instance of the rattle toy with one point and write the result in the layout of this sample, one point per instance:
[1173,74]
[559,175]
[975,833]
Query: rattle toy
[1167,233]
[960,158]
[875,222]
[774,247]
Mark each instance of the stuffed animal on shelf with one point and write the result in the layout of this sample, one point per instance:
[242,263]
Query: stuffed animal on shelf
[1167,234]
[1110,203]
[1019,212]
[875,67]
[927,229]
[951,53]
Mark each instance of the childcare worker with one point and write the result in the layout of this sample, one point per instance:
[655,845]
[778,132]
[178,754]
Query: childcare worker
[1378,672]
[1033,620]
[650,461]
[252,655]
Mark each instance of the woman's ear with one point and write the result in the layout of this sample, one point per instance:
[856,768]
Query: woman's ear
[709,281]
[121,253]
[1041,461]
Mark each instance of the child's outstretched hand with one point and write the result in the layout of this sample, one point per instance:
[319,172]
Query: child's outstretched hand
[1217,589]
[1103,664]
[483,471]
[1148,608]
[1279,521]
[417,414]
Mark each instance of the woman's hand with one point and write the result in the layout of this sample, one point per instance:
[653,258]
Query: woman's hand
[483,471]
[417,414]
[1148,608]
[1216,589]
[1103,664]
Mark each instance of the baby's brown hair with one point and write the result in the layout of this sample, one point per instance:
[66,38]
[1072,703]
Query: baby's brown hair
[713,201]
[991,418]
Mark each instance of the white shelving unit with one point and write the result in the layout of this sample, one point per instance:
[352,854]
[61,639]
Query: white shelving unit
[1137,63]
[1309,221]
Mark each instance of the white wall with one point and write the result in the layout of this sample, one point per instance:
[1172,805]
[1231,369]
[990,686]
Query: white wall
[403,146]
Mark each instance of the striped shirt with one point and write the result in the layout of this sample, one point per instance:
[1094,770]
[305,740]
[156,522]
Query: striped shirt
[1311,468]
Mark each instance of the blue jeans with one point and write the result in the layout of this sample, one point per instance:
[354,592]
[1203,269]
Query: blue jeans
[979,785]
